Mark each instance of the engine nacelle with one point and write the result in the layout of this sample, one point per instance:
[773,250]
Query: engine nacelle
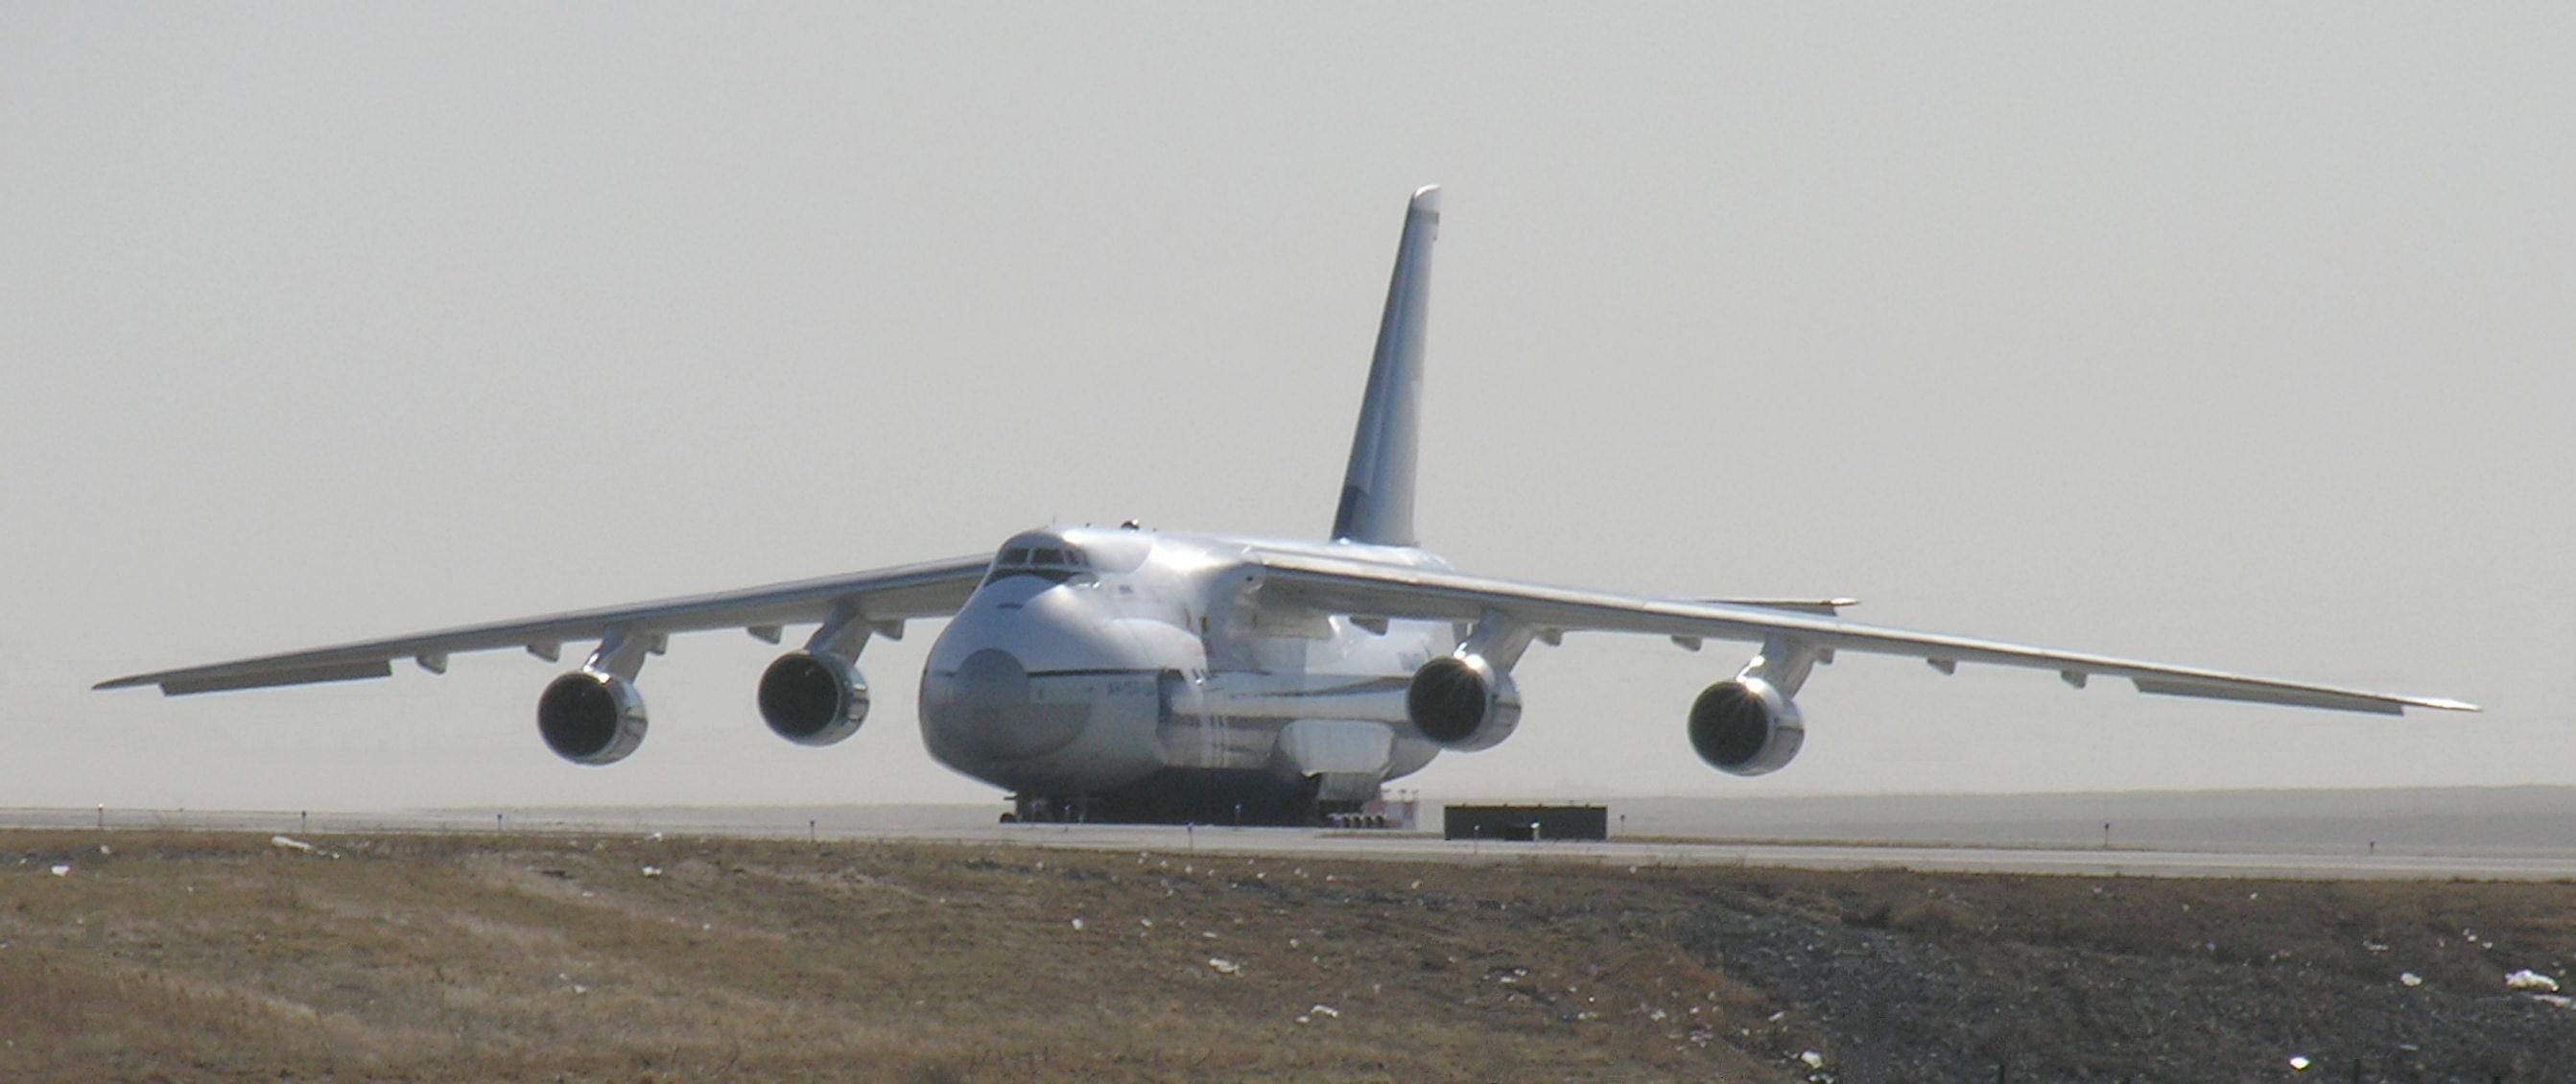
[812,698]
[591,718]
[1746,727]
[1463,702]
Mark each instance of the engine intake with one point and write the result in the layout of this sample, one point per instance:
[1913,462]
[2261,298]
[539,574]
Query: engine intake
[1746,727]
[591,718]
[1462,702]
[812,698]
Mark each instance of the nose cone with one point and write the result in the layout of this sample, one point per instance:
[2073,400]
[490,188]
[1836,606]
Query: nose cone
[1016,676]
[988,712]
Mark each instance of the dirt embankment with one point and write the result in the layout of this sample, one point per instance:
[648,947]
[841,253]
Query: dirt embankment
[202,957]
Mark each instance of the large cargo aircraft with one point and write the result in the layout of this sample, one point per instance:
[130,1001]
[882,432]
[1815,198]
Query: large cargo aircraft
[1130,674]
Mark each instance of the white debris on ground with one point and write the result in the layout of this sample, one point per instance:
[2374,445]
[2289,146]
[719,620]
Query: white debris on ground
[652,871]
[62,871]
[105,849]
[1326,1011]
[1225,966]
[290,843]
[2561,1000]
[1811,1059]
[2528,979]
[1077,925]
[2299,1063]
[2409,979]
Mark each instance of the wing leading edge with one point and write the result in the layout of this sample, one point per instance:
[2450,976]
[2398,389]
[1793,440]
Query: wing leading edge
[885,596]
[1357,588]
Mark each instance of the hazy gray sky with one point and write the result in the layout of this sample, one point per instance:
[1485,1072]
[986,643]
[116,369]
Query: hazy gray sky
[2236,336]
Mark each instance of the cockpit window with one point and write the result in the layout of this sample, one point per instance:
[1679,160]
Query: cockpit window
[1051,563]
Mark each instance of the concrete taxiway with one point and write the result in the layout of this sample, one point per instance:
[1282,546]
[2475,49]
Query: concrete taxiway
[842,825]
[1365,846]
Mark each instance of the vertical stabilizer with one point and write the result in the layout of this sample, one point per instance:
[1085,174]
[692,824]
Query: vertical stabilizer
[1377,491]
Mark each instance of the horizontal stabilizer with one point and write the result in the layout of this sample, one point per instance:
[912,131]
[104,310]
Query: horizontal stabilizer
[1826,607]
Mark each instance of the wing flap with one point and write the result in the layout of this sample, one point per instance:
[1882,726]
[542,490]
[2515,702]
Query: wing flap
[1348,587]
[311,675]
[2297,698]
[929,589]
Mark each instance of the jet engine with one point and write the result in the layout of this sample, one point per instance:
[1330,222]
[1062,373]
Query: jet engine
[591,718]
[1746,727]
[813,698]
[1463,702]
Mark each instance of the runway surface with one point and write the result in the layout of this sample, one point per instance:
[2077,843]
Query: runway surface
[950,825]
[1278,842]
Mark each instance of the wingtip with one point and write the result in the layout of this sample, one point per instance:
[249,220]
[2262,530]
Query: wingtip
[1427,198]
[2441,704]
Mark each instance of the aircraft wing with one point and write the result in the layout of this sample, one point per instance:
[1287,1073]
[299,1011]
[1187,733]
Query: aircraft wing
[886,595]
[1379,591]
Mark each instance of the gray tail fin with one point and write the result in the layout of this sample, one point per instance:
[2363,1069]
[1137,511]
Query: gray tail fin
[1377,491]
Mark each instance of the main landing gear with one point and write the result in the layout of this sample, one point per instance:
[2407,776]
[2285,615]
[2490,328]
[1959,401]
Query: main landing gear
[1247,802]
[1040,809]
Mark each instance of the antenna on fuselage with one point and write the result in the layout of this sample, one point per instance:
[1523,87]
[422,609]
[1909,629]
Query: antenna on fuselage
[1377,490]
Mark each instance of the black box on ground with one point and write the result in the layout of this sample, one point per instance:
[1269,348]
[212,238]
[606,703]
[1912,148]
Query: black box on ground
[1525,823]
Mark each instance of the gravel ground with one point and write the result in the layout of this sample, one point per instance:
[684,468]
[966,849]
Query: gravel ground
[173,956]
[1964,979]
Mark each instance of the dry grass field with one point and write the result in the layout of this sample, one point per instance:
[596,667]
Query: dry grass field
[172,956]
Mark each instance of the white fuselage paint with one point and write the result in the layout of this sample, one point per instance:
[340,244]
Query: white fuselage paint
[1091,658]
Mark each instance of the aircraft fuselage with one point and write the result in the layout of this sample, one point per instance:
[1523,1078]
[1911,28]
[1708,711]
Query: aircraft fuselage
[1093,660]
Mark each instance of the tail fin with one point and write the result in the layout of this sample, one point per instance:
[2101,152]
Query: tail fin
[1377,491]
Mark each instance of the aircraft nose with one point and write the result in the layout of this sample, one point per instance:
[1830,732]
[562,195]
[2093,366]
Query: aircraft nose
[994,715]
